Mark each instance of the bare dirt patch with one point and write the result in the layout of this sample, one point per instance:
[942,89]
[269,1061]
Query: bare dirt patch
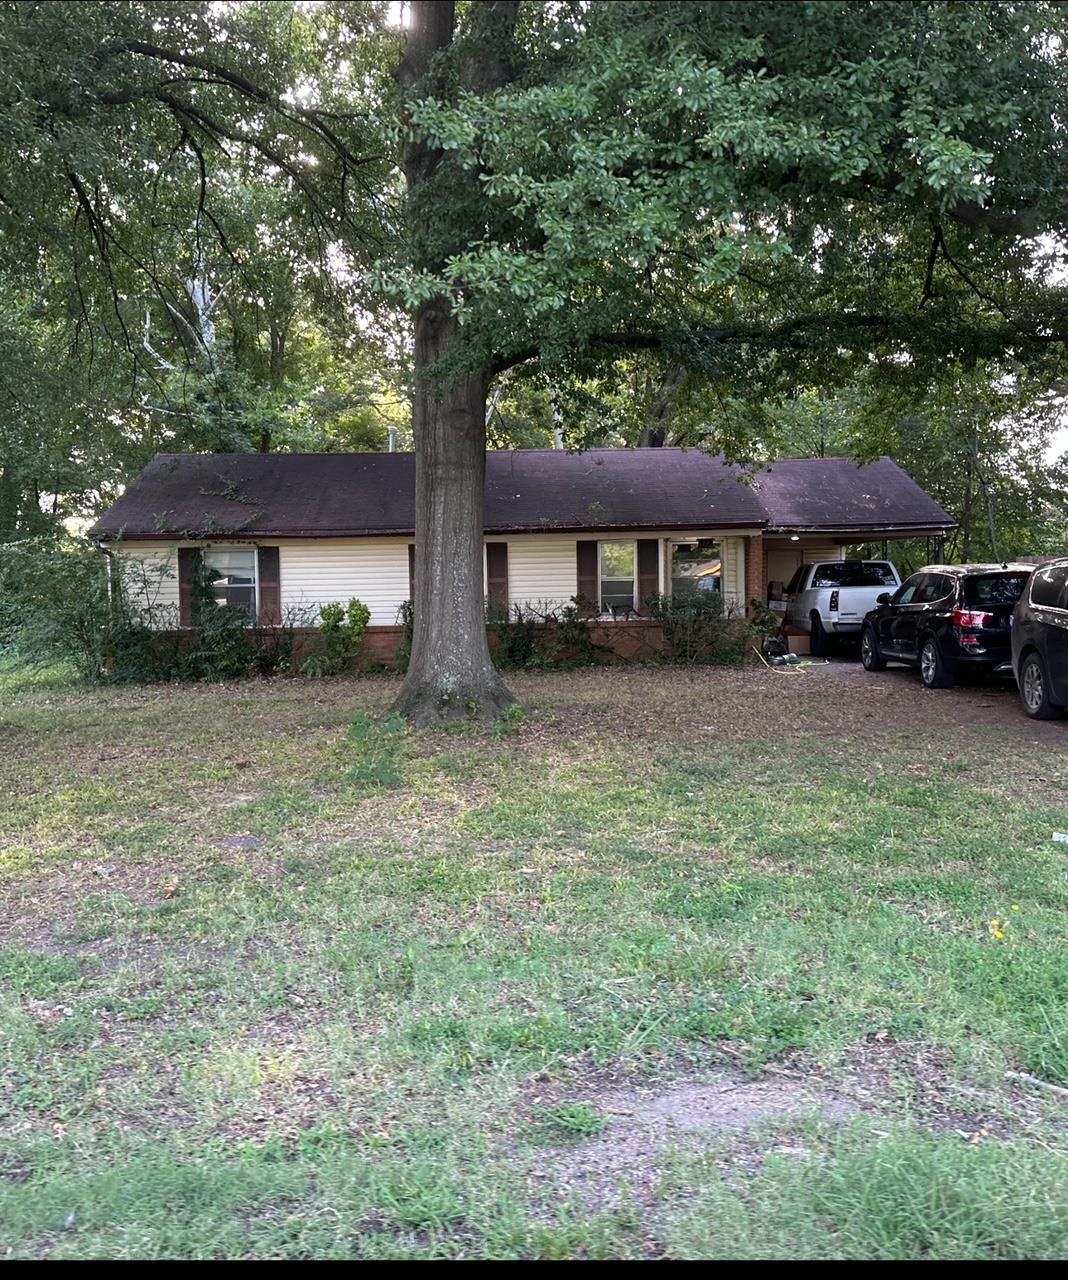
[647,1126]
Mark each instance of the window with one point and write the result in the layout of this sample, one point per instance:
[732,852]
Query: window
[696,566]
[989,589]
[231,572]
[933,586]
[906,592]
[617,575]
[794,585]
[1048,587]
[854,573]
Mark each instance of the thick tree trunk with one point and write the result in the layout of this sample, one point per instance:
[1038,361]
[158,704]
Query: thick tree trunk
[450,675]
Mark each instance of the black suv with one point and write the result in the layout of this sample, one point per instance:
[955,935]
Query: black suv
[1040,642]
[946,620]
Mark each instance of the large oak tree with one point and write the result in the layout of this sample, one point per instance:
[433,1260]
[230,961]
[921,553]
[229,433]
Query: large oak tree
[762,193]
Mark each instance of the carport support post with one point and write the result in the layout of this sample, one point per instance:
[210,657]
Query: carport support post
[754,569]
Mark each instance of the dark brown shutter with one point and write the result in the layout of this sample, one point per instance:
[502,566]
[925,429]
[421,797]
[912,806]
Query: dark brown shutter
[648,572]
[589,586]
[497,576]
[188,568]
[270,576]
[411,572]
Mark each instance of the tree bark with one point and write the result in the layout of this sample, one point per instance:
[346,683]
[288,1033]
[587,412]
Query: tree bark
[450,673]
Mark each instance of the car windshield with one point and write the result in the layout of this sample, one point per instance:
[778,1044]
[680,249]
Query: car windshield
[994,588]
[854,573]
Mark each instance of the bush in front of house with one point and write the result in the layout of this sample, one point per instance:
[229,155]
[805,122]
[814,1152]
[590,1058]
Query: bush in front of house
[342,628]
[700,629]
[59,605]
[541,635]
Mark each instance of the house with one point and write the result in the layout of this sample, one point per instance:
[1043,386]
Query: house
[286,533]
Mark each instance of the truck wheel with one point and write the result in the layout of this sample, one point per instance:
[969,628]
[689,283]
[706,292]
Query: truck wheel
[819,640]
[870,656]
[933,670]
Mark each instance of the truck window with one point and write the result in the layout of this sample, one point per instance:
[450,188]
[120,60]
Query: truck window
[794,585]
[854,573]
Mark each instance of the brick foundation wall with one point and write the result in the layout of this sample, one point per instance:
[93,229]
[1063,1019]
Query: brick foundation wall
[636,640]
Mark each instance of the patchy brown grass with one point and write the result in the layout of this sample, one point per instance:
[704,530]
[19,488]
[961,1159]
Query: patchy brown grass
[336,991]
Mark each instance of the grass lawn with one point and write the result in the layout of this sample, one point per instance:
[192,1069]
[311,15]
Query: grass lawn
[673,964]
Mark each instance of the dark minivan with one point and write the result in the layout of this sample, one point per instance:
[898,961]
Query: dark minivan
[1040,642]
[947,620]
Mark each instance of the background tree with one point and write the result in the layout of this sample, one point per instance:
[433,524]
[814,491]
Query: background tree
[178,186]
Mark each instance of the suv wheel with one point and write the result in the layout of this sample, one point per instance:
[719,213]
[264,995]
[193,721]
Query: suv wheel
[819,641]
[1034,690]
[870,656]
[933,670]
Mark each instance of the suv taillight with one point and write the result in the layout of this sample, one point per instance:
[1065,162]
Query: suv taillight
[834,601]
[971,618]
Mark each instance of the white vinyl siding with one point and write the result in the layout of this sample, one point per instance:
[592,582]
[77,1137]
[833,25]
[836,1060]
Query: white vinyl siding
[542,568]
[151,573]
[316,571]
[542,571]
[733,552]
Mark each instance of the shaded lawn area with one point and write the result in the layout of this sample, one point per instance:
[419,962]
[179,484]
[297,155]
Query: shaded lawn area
[279,979]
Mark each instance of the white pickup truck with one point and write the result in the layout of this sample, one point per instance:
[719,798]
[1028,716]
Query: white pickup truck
[831,597]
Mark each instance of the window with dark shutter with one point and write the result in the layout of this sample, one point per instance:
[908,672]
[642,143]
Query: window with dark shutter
[497,578]
[189,560]
[648,573]
[411,572]
[589,587]
[268,568]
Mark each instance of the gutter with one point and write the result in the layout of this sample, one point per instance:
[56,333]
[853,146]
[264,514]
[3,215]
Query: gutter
[250,535]
[871,529]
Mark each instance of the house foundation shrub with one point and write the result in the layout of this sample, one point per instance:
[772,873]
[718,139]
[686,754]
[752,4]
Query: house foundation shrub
[65,601]
[342,628]
[541,635]
[700,629]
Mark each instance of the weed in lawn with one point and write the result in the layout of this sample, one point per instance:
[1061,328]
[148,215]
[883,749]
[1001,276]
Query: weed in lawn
[376,745]
[570,1120]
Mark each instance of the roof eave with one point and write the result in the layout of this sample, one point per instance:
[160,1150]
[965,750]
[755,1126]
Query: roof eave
[902,530]
[190,535]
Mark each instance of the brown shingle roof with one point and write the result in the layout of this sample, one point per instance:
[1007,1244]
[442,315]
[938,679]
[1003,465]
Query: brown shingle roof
[321,495]
[840,494]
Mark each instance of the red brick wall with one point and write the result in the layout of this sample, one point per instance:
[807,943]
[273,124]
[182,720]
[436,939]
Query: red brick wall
[636,640]
[754,569]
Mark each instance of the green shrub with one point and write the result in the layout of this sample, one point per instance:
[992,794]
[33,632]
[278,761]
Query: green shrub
[342,628]
[699,628]
[405,619]
[516,634]
[65,601]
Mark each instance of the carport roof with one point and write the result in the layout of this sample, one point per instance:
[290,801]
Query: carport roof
[255,495]
[841,496]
